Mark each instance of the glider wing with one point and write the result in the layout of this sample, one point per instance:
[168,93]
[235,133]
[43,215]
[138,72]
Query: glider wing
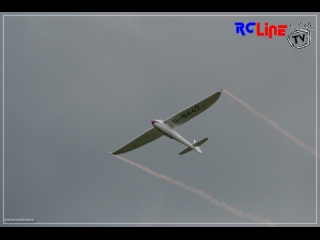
[148,136]
[192,111]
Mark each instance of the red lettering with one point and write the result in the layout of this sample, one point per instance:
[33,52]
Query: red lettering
[274,28]
[266,30]
[282,30]
[258,30]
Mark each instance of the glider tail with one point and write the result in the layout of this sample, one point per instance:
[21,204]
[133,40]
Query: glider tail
[195,145]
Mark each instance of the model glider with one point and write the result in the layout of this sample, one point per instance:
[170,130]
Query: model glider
[166,127]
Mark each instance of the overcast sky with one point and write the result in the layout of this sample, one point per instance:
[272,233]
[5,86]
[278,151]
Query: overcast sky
[77,88]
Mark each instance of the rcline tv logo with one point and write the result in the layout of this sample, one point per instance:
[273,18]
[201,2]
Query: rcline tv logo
[268,31]
[300,37]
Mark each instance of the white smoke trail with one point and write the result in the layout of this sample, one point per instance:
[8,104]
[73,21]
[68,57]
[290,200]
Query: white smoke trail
[275,125]
[198,192]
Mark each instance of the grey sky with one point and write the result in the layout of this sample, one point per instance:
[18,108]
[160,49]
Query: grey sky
[79,87]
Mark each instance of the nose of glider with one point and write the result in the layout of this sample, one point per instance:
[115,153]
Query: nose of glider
[153,121]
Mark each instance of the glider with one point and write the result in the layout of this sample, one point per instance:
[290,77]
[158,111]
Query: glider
[166,127]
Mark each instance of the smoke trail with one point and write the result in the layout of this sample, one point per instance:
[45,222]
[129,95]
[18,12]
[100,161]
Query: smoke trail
[275,125]
[198,192]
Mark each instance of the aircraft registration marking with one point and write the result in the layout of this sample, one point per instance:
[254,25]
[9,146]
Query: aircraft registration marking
[185,115]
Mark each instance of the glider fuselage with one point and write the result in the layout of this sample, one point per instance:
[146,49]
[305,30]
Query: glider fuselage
[171,133]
